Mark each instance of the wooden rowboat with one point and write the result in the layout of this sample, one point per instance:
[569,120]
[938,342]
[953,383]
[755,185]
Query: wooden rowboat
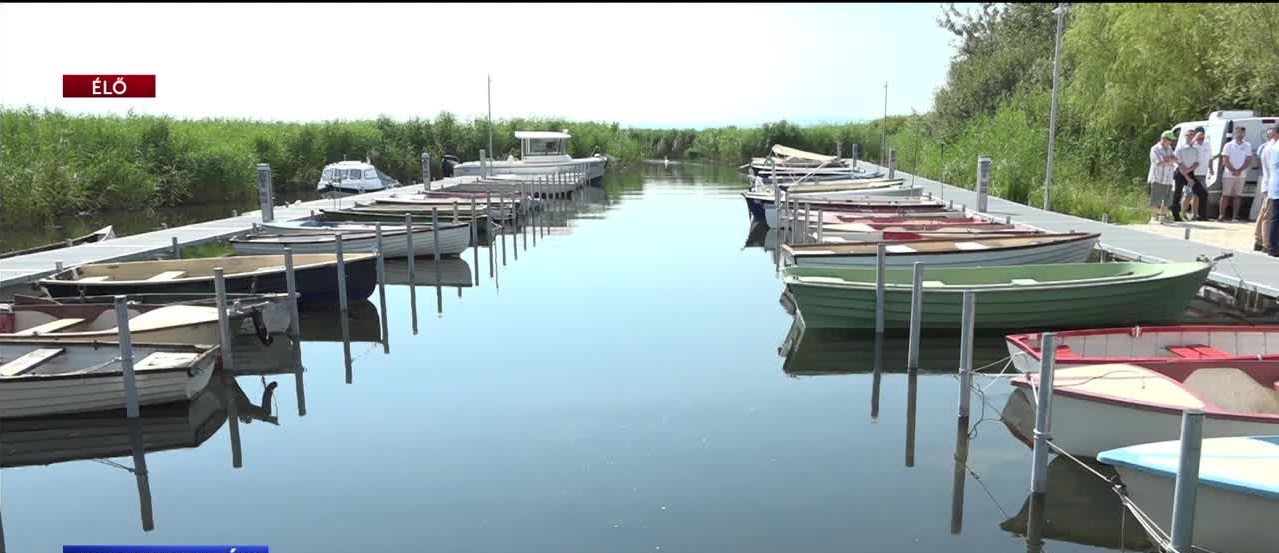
[949,252]
[43,377]
[1237,501]
[174,324]
[322,238]
[1149,344]
[1059,296]
[1101,407]
[104,233]
[371,215]
[315,276]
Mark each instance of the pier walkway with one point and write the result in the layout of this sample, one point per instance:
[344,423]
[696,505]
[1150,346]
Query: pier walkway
[27,268]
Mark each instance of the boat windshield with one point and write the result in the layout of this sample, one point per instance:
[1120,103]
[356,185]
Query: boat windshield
[543,147]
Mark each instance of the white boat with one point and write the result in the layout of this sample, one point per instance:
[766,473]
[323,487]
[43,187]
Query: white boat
[1149,344]
[41,377]
[173,324]
[1031,249]
[864,205]
[542,154]
[354,177]
[450,208]
[790,164]
[453,238]
[866,232]
[1100,407]
[892,190]
[1237,501]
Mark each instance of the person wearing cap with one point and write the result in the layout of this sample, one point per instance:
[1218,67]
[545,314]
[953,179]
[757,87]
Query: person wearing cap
[1236,156]
[1162,165]
[1207,161]
[1187,162]
[1261,230]
[1272,189]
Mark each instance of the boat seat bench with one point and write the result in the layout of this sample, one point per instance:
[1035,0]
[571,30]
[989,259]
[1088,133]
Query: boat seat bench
[51,326]
[30,360]
[167,275]
[1197,352]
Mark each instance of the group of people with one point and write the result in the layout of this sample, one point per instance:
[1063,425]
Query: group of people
[1172,171]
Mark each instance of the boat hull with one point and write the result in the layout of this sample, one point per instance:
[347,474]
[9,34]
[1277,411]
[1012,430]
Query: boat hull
[1112,303]
[593,167]
[1225,520]
[1071,251]
[1084,427]
[314,284]
[453,240]
[34,397]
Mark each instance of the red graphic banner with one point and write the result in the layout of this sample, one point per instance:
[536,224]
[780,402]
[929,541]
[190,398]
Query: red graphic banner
[108,86]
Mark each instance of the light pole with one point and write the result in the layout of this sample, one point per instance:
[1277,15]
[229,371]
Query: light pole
[883,124]
[1060,10]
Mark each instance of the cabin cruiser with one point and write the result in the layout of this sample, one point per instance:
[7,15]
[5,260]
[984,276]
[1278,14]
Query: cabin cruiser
[354,177]
[541,153]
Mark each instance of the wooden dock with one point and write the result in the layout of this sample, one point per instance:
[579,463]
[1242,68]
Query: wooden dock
[27,268]
[1247,271]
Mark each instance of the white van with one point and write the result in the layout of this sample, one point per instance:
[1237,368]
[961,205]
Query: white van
[1219,129]
[355,177]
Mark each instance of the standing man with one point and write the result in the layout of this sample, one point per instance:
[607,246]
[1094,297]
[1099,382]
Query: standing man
[1162,165]
[1187,161]
[1236,155]
[1272,188]
[1261,233]
[1207,162]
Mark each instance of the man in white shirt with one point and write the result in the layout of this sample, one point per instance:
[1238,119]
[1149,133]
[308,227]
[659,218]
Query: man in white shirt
[1236,156]
[1272,188]
[1187,161]
[1207,161]
[1162,165]
[1261,231]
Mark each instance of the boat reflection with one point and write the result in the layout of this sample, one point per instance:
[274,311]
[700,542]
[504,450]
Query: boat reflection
[822,351]
[110,434]
[448,271]
[1078,508]
[322,323]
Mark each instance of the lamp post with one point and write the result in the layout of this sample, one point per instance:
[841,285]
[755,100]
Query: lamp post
[1060,11]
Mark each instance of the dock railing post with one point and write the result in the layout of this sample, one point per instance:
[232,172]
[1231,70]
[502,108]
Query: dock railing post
[983,182]
[381,286]
[1043,412]
[892,163]
[1105,218]
[291,285]
[475,224]
[426,171]
[341,266]
[265,195]
[881,255]
[916,316]
[484,167]
[1187,234]
[807,222]
[177,251]
[224,321]
[1186,490]
[57,267]
[435,233]
[821,223]
[126,355]
[968,317]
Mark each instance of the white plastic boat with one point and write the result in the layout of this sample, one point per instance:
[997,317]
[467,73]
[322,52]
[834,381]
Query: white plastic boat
[453,238]
[354,177]
[1237,501]
[1100,407]
[43,377]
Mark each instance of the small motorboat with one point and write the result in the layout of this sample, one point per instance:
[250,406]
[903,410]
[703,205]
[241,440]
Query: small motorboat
[1237,501]
[1101,407]
[314,274]
[1149,344]
[47,377]
[104,233]
[354,177]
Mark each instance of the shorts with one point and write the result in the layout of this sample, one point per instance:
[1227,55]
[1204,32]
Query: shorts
[1160,195]
[1232,186]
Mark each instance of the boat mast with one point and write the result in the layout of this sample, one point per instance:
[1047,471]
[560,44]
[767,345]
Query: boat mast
[492,154]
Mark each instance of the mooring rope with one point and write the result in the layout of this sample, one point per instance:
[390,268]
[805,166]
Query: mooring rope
[114,464]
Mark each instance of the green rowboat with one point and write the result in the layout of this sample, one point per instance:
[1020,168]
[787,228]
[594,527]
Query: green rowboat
[1052,296]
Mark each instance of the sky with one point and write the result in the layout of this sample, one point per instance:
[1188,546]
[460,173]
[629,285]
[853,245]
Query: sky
[642,65]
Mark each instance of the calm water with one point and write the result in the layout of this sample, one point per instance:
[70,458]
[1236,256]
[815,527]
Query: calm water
[631,383]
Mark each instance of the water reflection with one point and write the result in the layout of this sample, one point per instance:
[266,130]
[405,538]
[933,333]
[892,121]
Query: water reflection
[822,351]
[1079,508]
[322,323]
[959,477]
